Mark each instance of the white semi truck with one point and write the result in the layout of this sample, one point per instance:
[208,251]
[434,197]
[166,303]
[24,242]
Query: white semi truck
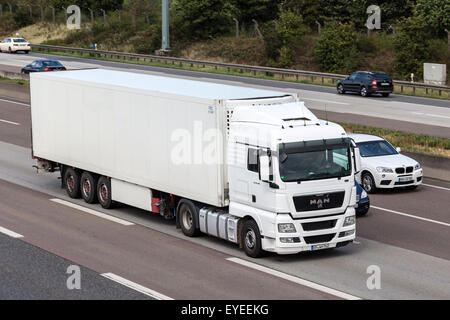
[254,167]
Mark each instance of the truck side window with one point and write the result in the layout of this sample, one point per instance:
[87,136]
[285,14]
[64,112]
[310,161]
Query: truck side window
[253,160]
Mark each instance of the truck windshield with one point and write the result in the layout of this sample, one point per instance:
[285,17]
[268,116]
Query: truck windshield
[322,159]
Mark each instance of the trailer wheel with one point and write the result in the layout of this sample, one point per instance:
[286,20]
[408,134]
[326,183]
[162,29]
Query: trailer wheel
[88,186]
[251,239]
[104,192]
[72,182]
[187,219]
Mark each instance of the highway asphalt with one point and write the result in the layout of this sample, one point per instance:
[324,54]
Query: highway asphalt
[406,234]
[30,273]
[417,110]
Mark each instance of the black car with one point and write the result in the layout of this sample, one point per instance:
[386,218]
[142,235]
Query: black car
[362,200]
[42,66]
[366,83]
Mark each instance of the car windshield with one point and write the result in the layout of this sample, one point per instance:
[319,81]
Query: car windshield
[20,40]
[322,159]
[51,64]
[376,148]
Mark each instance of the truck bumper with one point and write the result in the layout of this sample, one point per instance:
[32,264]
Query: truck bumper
[312,234]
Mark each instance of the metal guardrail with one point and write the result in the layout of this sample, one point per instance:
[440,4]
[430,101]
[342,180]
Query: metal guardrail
[253,69]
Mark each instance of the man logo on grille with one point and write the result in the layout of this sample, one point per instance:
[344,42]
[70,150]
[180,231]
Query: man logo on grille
[319,202]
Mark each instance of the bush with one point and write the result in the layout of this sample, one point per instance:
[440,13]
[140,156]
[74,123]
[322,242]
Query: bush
[336,49]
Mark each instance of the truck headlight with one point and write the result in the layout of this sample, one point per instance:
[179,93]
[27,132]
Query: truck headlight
[286,228]
[385,170]
[417,166]
[349,221]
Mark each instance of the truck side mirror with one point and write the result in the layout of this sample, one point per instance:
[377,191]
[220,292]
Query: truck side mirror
[357,160]
[264,168]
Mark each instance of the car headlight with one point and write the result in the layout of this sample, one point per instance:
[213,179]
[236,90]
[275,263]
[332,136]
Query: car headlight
[417,166]
[286,228]
[349,221]
[385,170]
[363,194]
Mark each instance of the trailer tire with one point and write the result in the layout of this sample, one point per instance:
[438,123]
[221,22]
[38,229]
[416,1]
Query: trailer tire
[188,219]
[88,187]
[251,239]
[72,182]
[104,193]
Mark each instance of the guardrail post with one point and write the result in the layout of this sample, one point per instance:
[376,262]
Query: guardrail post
[401,89]
[323,80]
[414,90]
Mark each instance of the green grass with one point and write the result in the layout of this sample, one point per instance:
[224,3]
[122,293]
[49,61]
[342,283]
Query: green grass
[15,81]
[419,92]
[406,141]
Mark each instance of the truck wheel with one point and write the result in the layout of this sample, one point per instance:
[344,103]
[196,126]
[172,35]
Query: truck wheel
[104,192]
[188,220]
[72,183]
[89,187]
[251,239]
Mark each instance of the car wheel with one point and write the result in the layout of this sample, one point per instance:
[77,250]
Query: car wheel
[340,89]
[368,183]
[385,95]
[364,92]
[9,50]
[251,239]
[27,52]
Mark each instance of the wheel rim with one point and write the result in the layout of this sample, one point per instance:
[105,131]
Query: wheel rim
[70,183]
[367,183]
[87,188]
[363,92]
[103,194]
[187,219]
[340,88]
[250,239]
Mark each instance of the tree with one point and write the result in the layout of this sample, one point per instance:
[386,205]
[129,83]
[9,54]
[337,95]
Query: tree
[436,13]
[411,47]
[336,49]
[260,10]
[203,19]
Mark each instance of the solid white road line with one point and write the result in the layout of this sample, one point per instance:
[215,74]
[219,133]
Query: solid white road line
[19,103]
[10,122]
[327,101]
[149,292]
[93,212]
[10,233]
[296,280]
[437,187]
[412,216]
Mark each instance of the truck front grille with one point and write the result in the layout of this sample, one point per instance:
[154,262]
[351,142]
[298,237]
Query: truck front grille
[319,239]
[312,226]
[319,201]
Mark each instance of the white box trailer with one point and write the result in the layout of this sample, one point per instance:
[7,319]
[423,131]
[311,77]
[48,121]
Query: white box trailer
[161,144]
[128,126]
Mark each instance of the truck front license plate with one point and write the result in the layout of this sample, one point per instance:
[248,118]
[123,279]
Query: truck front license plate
[320,246]
[405,179]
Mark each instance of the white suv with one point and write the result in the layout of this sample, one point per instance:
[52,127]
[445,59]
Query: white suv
[14,45]
[382,166]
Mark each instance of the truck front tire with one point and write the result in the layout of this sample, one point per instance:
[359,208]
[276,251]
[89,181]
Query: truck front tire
[88,186]
[251,239]
[72,182]
[104,192]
